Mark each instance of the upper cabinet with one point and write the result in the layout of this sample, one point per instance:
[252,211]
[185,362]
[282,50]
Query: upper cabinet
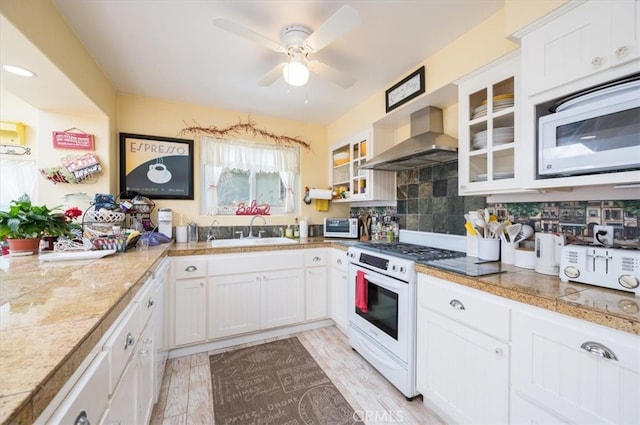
[353,183]
[488,124]
[588,39]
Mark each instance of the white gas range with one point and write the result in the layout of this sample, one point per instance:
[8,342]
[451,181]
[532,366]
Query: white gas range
[382,300]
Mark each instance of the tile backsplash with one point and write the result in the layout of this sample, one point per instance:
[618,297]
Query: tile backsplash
[428,201]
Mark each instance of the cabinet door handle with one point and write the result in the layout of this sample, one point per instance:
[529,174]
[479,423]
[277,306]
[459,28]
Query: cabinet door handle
[597,61]
[599,350]
[144,353]
[129,341]
[339,261]
[456,304]
[150,303]
[82,419]
[190,269]
[316,258]
[622,51]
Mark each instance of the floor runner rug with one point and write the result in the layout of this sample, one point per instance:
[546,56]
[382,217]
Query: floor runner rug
[277,383]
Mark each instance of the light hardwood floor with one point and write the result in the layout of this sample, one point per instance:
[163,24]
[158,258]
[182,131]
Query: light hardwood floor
[185,397]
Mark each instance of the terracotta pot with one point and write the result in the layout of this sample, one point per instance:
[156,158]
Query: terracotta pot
[24,245]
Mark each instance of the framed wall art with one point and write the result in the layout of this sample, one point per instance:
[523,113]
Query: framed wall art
[156,167]
[405,90]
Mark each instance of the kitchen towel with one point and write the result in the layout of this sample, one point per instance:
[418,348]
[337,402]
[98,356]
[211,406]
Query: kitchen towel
[361,291]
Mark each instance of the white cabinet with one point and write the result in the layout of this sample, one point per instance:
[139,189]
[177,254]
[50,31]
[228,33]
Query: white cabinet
[357,184]
[339,288]
[269,292]
[316,284]
[234,304]
[89,397]
[282,298]
[462,352]
[593,37]
[190,300]
[145,364]
[488,129]
[577,370]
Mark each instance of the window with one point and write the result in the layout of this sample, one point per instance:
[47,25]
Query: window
[17,177]
[240,173]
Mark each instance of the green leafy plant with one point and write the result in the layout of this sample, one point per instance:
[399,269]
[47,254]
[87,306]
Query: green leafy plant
[24,220]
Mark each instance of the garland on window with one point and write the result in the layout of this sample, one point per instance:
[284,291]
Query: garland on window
[247,127]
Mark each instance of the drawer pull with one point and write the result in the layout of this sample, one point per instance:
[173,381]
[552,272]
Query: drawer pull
[339,261]
[82,419]
[147,341]
[597,61]
[599,350]
[316,258]
[144,353]
[129,341]
[150,303]
[456,304]
[190,269]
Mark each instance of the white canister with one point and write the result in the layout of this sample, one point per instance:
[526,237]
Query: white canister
[524,258]
[489,249]
[507,252]
[165,222]
[304,229]
[181,234]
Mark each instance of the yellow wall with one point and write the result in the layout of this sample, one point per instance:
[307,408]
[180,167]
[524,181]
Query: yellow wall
[155,117]
[475,48]
[520,13]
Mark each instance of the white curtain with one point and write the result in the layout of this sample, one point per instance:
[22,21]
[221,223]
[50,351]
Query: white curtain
[17,178]
[218,154]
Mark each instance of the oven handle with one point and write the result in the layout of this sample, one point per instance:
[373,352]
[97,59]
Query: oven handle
[364,346]
[387,284]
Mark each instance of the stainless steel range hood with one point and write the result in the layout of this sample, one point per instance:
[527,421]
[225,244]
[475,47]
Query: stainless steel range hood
[427,145]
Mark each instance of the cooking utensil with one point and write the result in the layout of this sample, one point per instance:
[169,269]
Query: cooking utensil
[513,231]
[525,232]
[495,229]
[470,229]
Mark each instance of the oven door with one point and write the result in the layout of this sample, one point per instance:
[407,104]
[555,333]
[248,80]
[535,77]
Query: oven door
[388,317]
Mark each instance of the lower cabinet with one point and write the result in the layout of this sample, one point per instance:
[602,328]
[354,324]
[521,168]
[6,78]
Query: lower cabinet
[339,288]
[462,353]
[234,304]
[576,370]
[190,310]
[282,298]
[316,284]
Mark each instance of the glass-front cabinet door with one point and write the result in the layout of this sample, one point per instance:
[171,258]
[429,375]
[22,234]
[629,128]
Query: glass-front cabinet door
[487,129]
[349,181]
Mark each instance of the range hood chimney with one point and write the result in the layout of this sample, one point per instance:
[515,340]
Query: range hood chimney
[427,145]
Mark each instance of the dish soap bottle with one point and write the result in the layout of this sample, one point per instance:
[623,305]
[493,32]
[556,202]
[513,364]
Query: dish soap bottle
[289,231]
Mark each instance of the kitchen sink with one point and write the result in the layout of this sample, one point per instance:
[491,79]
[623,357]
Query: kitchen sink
[251,242]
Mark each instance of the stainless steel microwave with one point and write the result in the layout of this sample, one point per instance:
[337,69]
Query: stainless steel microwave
[598,131]
[341,228]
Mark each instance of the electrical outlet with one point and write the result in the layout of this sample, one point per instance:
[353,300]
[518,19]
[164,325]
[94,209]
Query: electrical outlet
[603,239]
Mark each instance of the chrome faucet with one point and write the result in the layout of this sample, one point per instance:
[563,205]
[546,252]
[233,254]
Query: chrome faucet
[210,235]
[251,224]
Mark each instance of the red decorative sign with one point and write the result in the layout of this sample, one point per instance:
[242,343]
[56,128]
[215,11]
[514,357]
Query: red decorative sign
[253,209]
[66,140]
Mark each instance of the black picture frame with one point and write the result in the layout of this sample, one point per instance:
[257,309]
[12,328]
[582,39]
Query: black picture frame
[156,167]
[405,90]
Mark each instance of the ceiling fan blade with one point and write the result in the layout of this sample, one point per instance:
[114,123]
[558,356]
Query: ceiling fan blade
[272,76]
[247,33]
[341,22]
[331,74]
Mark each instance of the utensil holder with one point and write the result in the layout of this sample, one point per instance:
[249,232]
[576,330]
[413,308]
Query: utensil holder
[489,249]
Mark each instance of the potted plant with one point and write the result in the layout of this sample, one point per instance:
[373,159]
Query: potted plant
[24,224]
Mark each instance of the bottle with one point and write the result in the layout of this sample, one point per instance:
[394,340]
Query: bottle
[289,232]
[296,230]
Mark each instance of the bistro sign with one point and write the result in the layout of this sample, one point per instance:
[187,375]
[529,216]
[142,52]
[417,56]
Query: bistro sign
[68,140]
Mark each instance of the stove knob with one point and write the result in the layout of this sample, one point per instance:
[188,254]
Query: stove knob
[403,269]
[628,281]
[394,268]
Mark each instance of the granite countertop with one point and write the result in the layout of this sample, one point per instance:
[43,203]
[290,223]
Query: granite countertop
[52,314]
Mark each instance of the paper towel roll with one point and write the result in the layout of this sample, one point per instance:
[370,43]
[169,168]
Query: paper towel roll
[304,229]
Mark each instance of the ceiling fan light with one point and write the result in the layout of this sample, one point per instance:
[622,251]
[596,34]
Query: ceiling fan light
[295,73]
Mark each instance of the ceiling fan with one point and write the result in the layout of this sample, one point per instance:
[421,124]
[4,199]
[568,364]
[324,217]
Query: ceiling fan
[298,43]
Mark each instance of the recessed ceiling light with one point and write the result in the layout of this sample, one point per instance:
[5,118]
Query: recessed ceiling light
[18,70]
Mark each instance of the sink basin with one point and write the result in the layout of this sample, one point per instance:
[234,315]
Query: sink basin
[219,243]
